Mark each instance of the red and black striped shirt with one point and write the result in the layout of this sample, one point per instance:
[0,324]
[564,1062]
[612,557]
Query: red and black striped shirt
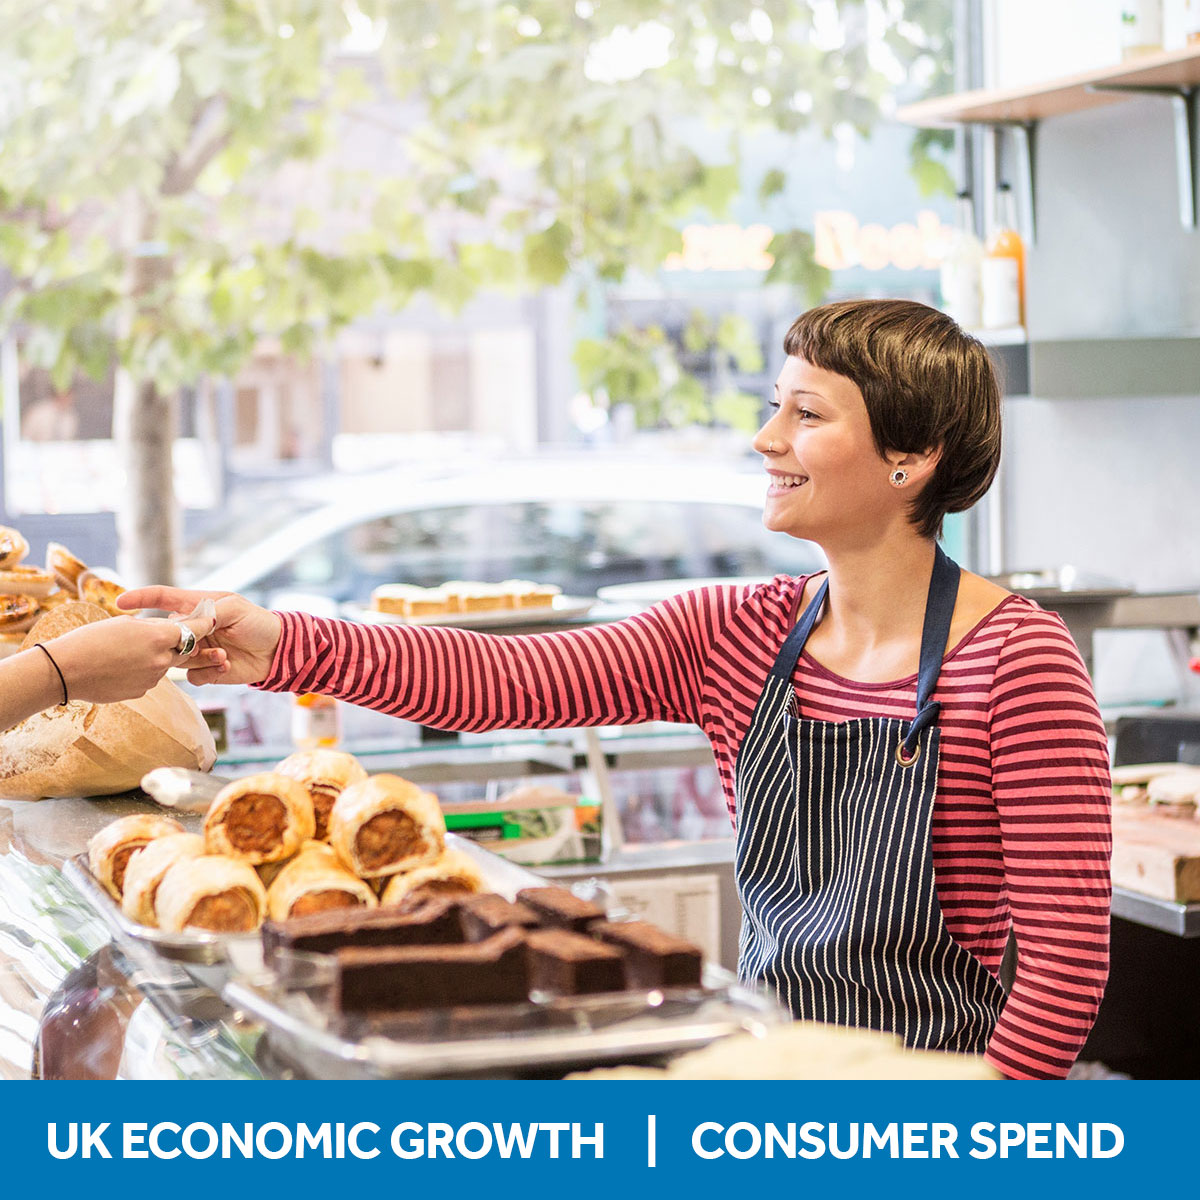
[1021,829]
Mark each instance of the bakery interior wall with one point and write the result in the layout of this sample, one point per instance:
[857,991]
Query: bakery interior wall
[1108,485]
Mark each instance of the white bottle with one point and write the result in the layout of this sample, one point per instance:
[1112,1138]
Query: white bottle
[961,268]
[1003,271]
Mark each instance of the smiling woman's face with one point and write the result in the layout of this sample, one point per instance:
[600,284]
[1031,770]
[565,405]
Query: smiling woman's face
[827,478]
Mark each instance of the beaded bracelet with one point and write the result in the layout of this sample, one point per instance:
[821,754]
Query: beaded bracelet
[57,670]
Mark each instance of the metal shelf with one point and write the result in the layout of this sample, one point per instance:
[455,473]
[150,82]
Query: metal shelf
[1174,75]
[1183,920]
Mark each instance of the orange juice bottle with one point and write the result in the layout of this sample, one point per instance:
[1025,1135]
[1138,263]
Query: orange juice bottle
[1003,269]
[316,722]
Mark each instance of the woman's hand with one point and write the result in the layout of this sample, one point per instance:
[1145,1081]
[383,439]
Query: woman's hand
[247,634]
[124,657]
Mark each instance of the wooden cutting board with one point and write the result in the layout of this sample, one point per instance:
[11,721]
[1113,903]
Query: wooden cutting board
[1158,856]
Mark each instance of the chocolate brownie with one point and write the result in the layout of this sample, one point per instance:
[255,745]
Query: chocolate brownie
[570,964]
[488,913]
[653,957]
[382,978]
[435,922]
[557,907]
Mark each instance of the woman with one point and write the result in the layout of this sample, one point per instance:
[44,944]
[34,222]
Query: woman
[116,659]
[912,756]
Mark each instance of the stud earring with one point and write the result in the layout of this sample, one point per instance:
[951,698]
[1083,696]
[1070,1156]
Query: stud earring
[899,477]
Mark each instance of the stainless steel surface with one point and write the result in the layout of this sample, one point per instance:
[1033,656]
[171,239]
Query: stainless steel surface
[1183,920]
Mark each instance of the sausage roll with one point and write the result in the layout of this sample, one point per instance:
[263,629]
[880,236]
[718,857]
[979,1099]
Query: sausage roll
[211,892]
[325,773]
[147,868]
[316,881]
[454,874]
[110,850]
[259,819]
[386,825]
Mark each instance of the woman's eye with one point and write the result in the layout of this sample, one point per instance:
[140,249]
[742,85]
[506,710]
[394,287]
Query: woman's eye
[805,413]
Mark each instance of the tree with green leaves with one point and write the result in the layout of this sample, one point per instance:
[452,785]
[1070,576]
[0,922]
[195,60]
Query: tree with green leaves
[173,185]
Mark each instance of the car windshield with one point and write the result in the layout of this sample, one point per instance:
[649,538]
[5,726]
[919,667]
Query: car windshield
[249,519]
[581,546]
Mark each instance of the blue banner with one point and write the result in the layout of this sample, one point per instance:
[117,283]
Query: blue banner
[602,1139]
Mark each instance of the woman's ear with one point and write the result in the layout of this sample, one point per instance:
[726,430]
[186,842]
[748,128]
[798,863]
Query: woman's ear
[919,465]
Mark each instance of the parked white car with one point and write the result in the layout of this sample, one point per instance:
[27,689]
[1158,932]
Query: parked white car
[582,521]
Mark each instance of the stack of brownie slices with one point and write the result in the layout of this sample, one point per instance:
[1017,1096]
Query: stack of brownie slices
[439,951]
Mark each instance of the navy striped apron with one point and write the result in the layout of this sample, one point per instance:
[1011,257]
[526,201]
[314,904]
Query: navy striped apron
[840,915]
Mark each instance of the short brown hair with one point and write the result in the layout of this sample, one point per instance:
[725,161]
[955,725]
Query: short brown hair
[925,382]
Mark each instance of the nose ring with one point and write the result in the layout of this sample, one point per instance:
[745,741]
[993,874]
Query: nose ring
[771,446]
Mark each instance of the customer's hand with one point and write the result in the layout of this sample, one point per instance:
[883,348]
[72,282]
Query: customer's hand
[122,658]
[246,633]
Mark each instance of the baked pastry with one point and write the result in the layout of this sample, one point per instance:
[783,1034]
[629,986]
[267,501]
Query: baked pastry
[147,868]
[483,597]
[17,613]
[260,819]
[434,922]
[13,547]
[316,881]
[95,589]
[1175,794]
[453,874]
[65,567]
[413,977]
[326,773]
[524,593]
[426,602]
[62,619]
[392,597]
[1131,783]
[386,825]
[222,895]
[110,850]
[560,908]
[26,581]
[54,598]
[488,912]
[653,957]
[570,964]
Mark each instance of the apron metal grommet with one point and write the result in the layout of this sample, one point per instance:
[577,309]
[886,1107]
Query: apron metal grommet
[907,762]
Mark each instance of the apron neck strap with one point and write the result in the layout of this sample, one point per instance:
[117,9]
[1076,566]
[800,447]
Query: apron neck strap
[939,609]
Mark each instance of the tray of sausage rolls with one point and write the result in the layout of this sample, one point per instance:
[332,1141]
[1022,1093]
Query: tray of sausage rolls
[314,835]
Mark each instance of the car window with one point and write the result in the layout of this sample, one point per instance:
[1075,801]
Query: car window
[580,546]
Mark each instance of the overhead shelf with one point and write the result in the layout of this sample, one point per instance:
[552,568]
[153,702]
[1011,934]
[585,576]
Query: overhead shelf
[1174,74]
[1174,70]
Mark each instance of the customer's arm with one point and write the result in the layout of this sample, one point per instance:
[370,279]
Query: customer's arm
[116,659]
[649,667]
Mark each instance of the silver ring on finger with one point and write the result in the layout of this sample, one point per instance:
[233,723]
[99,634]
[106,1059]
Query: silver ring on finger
[187,642]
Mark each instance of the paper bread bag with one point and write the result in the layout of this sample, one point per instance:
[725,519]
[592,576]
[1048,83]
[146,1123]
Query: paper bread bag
[84,749]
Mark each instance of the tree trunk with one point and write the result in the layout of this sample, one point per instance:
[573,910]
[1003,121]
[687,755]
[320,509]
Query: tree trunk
[144,426]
